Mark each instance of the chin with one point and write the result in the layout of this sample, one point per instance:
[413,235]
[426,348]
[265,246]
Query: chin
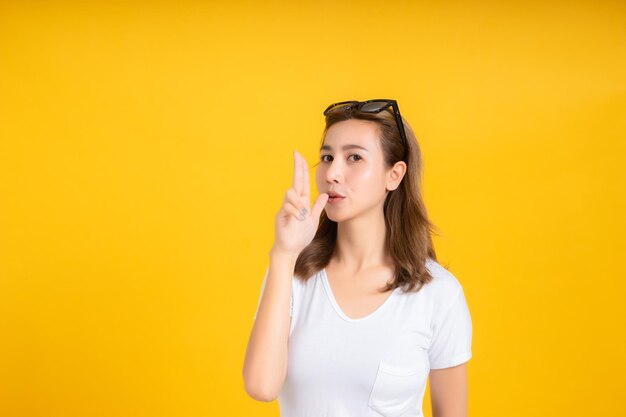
[334,217]
[331,216]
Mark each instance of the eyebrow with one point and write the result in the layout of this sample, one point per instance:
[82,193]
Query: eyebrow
[344,147]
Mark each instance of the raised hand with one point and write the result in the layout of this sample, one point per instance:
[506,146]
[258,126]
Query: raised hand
[296,224]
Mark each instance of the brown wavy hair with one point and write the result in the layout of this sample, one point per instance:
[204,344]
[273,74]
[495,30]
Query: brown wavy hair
[408,228]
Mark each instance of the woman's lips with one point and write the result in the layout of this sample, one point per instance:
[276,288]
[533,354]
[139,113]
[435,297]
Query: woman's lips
[335,200]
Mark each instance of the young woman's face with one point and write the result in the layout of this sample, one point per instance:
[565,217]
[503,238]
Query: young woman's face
[351,164]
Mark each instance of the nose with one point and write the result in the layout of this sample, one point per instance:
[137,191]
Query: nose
[334,172]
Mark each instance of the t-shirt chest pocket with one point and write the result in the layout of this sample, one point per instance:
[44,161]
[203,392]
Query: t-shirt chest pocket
[398,388]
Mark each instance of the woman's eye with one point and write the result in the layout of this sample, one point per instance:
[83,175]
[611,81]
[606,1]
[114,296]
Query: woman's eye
[358,157]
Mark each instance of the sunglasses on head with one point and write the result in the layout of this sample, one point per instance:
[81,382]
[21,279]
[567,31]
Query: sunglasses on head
[371,106]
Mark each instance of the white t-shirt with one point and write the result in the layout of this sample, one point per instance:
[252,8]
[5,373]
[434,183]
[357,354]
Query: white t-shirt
[378,364]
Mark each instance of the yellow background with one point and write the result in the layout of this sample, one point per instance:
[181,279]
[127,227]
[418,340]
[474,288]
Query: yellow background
[145,148]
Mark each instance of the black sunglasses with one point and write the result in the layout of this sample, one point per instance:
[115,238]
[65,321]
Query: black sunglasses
[371,106]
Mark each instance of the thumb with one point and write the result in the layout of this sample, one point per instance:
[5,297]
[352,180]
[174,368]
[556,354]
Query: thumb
[320,203]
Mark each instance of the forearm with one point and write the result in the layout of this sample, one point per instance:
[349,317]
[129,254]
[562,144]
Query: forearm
[266,355]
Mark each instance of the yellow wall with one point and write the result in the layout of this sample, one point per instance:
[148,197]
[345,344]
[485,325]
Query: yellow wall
[145,149]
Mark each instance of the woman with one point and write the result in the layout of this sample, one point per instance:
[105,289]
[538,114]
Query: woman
[355,313]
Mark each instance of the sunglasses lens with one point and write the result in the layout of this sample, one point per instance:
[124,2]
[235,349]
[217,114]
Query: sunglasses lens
[338,108]
[374,106]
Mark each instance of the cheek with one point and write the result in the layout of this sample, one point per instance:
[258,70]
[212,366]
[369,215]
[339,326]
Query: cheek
[366,175]
[368,179]
[319,177]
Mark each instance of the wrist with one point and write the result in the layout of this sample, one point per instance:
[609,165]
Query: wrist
[278,253]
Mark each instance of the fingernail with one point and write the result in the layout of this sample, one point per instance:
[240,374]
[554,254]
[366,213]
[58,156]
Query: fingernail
[305,210]
[301,216]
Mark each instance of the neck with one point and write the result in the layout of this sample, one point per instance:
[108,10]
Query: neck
[362,243]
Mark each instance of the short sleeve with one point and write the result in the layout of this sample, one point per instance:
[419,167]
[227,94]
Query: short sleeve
[451,342]
[258,304]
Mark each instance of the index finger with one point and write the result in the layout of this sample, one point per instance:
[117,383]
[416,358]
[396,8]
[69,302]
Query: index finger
[297,173]
[305,182]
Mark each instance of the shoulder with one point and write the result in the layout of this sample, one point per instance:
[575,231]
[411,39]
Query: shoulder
[301,285]
[444,287]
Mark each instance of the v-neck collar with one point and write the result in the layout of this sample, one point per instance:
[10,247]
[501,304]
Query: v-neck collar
[340,312]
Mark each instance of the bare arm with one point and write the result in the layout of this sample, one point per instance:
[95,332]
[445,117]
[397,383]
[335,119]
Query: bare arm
[265,364]
[448,391]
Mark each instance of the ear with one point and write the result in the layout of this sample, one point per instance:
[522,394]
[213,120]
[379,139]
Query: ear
[395,175]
